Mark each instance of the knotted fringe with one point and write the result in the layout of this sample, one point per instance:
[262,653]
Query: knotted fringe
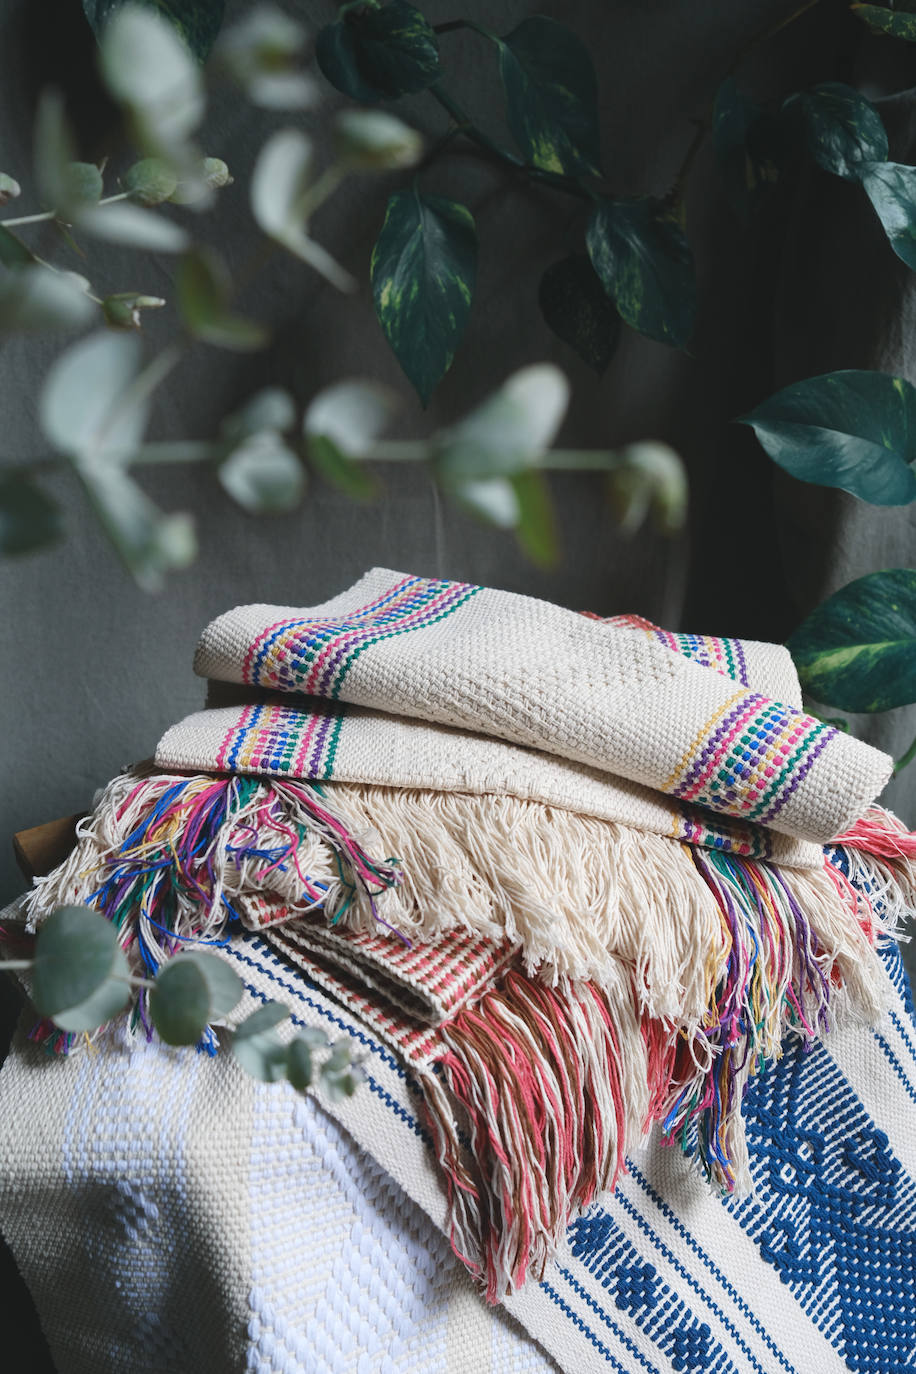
[550,1086]
[553,1084]
[166,858]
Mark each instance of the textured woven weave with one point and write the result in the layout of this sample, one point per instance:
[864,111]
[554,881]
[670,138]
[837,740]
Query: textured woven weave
[170,1214]
[609,696]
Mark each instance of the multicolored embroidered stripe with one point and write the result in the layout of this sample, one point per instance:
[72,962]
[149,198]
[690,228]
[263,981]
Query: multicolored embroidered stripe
[269,738]
[725,656]
[694,826]
[314,656]
[752,755]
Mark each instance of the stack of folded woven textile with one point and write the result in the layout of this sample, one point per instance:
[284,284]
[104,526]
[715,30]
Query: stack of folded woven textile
[571,871]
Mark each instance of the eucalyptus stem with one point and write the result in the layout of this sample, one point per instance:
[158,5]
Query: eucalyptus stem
[905,758]
[7,964]
[144,384]
[46,215]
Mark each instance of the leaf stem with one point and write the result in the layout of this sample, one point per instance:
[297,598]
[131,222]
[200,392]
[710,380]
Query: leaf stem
[466,126]
[769,32]
[8,964]
[54,214]
[451,24]
[143,385]
[905,758]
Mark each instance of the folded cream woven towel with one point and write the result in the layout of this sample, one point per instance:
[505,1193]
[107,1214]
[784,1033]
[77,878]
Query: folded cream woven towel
[537,675]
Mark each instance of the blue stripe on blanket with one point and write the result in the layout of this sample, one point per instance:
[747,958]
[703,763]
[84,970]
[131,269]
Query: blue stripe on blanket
[834,1217]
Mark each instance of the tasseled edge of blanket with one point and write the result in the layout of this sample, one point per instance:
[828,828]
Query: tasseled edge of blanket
[654,978]
[168,859]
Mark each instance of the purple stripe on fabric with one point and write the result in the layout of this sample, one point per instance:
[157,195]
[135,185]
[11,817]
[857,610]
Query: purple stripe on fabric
[800,774]
[709,748]
[319,744]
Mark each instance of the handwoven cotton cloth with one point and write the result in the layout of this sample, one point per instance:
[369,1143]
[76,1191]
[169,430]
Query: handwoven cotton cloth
[168,1213]
[609,696]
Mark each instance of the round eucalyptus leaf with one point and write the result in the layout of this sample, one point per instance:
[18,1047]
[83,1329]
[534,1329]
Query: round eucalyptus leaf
[891,188]
[35,298]
[374,141]
[424,268]
[646,267]
[843,130]
[257,1046]
[551,96]
[82,390]
[376,52]
[9,188]
[179,1002]
[55,149]
[271,408]
[223,983]
[79,977]
[131,225]
[492,499]
[857,650]
[536,528]
[83,185]
[854,430]
[897,23]
[123,309]
[281,177]
[654,477]
[198,21]
[263,475]
[579,311]
[510,431]
[299,1063]
[150,181]
[331,463]
[28,518]
[149,68]
[351,414]
[149,542]
[261,53]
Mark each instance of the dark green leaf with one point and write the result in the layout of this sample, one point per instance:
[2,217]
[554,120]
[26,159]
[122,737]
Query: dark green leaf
[551,96]
[257,1046]
[891,188]
[299,1063]
[579,311]
[857,650]
[79,974]
[263,475]
[749,148]
[853,430]
[28,518]
[537,526]
[13,252]
[376,53]
[646,267]
[198,21]
[424,266]
[179,1003]
[342,472]
[842,128]
[882,20]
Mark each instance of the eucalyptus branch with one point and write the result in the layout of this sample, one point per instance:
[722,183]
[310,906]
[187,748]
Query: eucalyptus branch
[46,215]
